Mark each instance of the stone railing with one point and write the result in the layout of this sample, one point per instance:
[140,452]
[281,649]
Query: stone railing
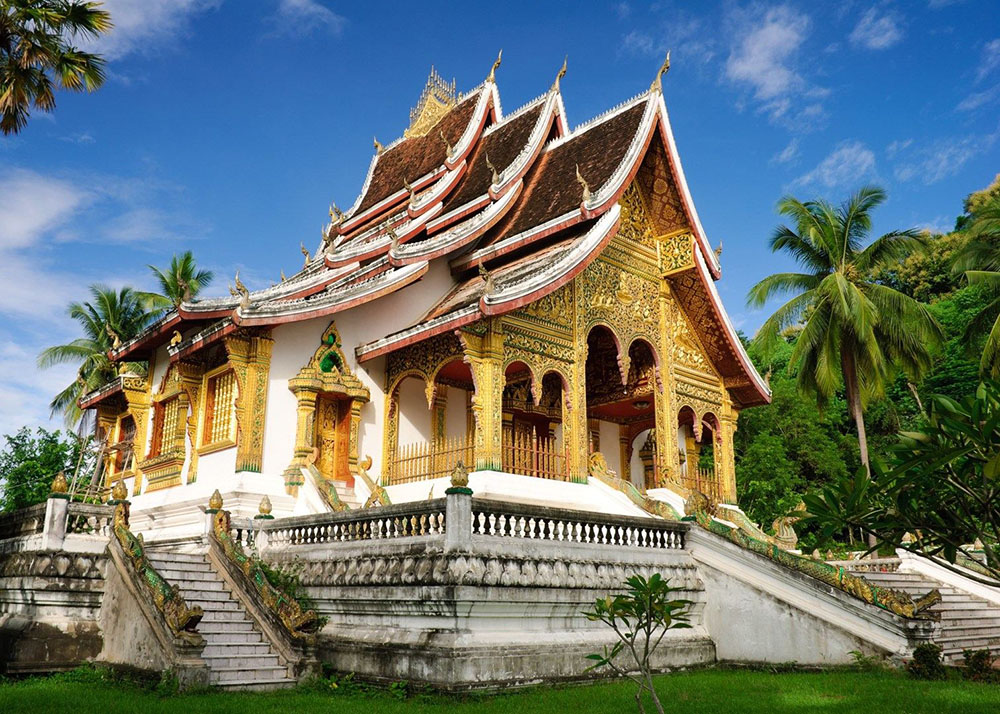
[405,520]
[57,524]
[512,520]
[23,522]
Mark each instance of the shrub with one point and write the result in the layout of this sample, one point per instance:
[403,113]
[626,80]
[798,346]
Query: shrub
[869,663]
[926,662]
[978,665]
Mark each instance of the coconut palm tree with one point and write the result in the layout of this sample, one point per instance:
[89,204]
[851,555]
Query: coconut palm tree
[180,282]
[36,55]
[855,331]
[980,261]
[107,319]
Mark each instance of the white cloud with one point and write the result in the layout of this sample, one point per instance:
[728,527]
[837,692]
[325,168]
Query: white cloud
[763,56]
[990,60]
[877,31]
[145,25]
[682,34]
[788,154]
[32,204]
[942,158]
[302,17]
[897,146]
[849,163]
[978,99]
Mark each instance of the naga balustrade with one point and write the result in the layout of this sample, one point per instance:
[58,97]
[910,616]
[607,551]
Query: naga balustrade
[420,518]
[57,524]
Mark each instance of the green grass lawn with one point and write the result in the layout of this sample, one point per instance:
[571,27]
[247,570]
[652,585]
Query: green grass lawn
[710,691]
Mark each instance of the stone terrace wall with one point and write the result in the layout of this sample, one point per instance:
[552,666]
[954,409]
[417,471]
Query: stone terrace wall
[462,592]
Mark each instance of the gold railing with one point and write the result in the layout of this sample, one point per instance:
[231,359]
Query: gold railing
[423,461]
[531,455]
[703,480]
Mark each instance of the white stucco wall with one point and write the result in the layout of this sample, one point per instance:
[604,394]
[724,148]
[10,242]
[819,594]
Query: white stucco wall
[457,413]
[610,445]
[414,415]
[635,463]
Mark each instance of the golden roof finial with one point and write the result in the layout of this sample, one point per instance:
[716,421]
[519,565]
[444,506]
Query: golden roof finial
[561,74]
[495,67]
[586,189]
[492,168]
[335,213]
[718,251]
[177,338]
[489,288]
[378,146]
[408,187]
[283,278]
[265,506]
[59,484]
[447,146]
[305,252]
[215,500]
[664,68]
[393,235]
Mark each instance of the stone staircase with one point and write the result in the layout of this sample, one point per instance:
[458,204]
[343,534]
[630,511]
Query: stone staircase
[967,621]
[237,654]
[347,494]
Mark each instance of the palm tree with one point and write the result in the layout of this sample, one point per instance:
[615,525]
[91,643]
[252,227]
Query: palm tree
[109,318]
[35,54]
[855,331]
[980,261]
[180,282]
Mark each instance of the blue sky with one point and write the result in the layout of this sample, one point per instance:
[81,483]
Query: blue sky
[227,128]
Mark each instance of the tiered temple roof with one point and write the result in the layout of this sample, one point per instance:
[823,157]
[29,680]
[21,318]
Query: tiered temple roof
[518,205]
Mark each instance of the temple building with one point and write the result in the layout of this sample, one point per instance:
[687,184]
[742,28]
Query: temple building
[506,292]
[501,384]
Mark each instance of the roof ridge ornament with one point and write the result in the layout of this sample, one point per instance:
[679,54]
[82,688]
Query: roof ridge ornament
[496,65]
[305,252]
[657,84]
[489,287]
[447,146]
[378,147]
[393,235]
[586,188]
[560,75]
[492,168]
[436,100]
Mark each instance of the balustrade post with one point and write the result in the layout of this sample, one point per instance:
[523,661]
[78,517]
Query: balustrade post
[458,510]
[56,515]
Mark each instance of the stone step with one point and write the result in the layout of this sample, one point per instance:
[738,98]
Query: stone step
[235,650]
[218,616]
[194,576]
[220,606]
[250,663]
[161,556]
[231,638]
[977,642]
[973,630]
[258,685]
[949,623]
[226,626]
[980,606]
[201,595]
[242,674]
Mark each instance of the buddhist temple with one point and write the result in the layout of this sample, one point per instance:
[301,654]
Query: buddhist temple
[501,383]
[506,292]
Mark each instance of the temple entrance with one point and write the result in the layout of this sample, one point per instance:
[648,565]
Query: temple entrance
[621,415]
[696,441]
[532,424]
[332,438]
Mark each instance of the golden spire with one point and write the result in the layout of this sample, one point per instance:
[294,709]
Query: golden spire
[437,97]
[561,74]
[664,68]
[495,67]
[586,189]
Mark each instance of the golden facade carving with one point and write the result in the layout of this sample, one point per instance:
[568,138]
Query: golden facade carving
[250,357]
[437,98]
[325,384]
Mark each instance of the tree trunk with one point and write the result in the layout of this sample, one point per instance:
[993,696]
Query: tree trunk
[854,404]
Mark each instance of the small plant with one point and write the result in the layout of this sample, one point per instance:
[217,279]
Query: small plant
[869,663]
[286,578]
[640,617]
[978,665]
[400,690]
[926,662]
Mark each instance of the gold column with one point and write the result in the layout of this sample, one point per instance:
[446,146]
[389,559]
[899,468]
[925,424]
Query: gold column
[439,426]
[625,452]
[251,360]
[725,460]
[304,413]
[191,375]
[668,462]
[137,397]
[484,355]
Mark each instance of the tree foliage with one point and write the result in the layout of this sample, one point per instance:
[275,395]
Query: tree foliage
[640,617]
[181,281]
[37,55]
[29,462]
[943,486]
